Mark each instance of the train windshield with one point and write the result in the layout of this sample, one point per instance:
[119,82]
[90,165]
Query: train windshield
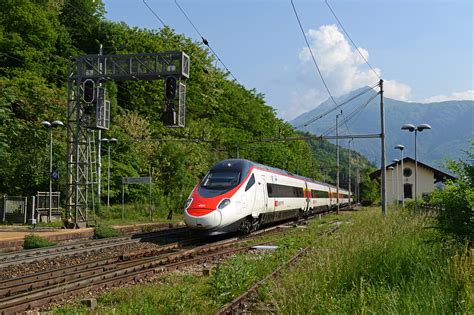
[221,180]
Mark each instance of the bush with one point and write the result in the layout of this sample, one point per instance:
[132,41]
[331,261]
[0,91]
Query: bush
[456,201]
[104,231]
[35,241]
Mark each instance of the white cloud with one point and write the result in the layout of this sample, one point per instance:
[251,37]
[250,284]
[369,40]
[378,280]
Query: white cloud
[342,67]
[461,96]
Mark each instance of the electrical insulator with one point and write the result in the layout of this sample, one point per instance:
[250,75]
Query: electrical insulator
[171,85]
[89,91]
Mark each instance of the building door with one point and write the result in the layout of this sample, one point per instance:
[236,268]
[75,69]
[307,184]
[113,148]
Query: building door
[408,191]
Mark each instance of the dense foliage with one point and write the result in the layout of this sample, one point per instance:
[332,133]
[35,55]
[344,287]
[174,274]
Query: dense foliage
[36,39]
[455,202]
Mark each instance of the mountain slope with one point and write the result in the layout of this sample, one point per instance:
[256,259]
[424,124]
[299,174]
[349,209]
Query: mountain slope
[452,123]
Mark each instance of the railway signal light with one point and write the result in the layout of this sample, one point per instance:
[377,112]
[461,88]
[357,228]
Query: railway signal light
[89,91]
[171,87]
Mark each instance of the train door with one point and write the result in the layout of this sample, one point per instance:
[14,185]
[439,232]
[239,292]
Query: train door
[264,193]
[261,198]
[331,201]
[307,195]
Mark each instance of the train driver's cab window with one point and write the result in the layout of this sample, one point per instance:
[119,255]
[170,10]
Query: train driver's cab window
[250,183]
[221,180]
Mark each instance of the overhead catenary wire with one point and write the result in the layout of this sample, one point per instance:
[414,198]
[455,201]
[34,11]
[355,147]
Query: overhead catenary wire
[154,13]
[355,113]
[312,120]
[348,36]
[352,114]
[205,41]
[311,52]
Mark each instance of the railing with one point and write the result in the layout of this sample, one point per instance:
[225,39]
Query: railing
[14,209]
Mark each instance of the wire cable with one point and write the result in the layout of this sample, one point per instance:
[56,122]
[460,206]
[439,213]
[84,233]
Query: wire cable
[351,115]
[154,13]
[205,41]
[348,36]
[311,52]
[312,120]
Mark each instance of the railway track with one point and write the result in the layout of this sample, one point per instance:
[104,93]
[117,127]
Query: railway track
[30,255]
[42,288]
[33,291]
[238,305]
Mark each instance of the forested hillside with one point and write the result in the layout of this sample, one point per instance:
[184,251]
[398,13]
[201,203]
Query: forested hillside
[36,39]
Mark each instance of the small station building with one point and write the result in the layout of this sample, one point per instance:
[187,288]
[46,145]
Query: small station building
[402,181]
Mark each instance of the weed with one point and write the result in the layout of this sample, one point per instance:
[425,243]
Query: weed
[104,231]
[36,241]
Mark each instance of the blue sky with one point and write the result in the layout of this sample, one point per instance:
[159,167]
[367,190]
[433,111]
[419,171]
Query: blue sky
[423,49]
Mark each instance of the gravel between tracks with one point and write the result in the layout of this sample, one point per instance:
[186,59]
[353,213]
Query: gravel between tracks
[48,264]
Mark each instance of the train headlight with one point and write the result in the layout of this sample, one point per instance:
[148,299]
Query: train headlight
[188,203]
[224,203]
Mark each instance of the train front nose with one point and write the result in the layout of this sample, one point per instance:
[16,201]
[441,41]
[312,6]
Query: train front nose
[202,219]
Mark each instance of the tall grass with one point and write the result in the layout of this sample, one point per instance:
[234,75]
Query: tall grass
[394,264]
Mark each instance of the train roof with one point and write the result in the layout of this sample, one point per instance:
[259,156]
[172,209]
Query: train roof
[247,164]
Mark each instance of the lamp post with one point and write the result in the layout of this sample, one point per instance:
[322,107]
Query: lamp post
[419,128]
[50,126]
[396,179]
[393,185]
[401,147]
[108,141]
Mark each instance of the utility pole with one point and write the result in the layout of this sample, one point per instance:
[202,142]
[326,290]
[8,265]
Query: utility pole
[350,192]
[357,185]
[99,145]
[382,157]
[337,161]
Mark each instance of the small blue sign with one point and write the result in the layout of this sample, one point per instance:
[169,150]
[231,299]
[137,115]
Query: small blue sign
[55,175]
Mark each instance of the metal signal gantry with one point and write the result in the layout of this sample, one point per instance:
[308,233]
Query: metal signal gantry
[88,109]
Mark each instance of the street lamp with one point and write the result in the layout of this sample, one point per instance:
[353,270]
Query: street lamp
[396,180]
[393,185]
[109,141]
[412,128]
[401,147]
[50,125]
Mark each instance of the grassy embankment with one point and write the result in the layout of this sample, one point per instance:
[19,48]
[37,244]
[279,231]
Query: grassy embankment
[394,265]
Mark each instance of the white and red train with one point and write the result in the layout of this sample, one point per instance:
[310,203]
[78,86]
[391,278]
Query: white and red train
[240,195]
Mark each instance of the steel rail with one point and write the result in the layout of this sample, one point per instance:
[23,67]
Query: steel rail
[37,290]
[82,247]
[233,306]
[118,273]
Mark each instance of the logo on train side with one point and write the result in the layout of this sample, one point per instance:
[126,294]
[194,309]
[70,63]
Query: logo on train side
[279,203]
[201,206]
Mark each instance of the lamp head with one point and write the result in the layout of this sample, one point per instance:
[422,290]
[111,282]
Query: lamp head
[104,140]
[57,123]
[46,124]
[113,140]
[400,147]
[395,161]
[390,168]
[409,127]
[423,127]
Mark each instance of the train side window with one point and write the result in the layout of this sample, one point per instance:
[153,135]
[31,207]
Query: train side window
[250,183]
[270,190]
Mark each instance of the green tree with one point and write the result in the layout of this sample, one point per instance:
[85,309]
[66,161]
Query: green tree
[455,202]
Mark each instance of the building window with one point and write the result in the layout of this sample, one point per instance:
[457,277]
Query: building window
[407,172]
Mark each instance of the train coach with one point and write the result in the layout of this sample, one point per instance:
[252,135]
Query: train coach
[240,195]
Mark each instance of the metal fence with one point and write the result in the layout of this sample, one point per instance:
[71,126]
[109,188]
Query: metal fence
[14,209]
[42,205]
